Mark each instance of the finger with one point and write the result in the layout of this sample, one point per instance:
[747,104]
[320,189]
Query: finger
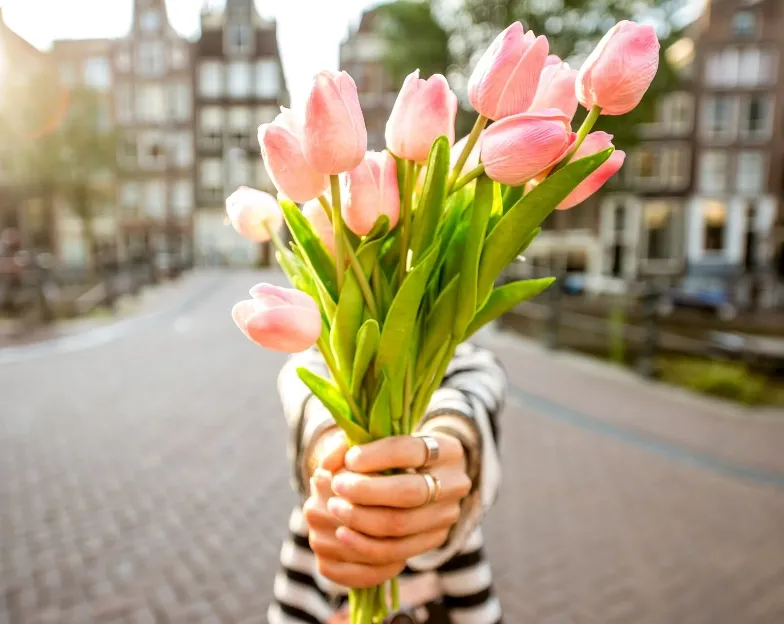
[334,456]
[402,491]
[321,484]
[387,522]
[401,452]
[318,517]
[357,575]
[383,551]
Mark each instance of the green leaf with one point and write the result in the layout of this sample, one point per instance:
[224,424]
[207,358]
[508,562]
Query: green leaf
[367,343]
[472,252]
[529,240]
[333,400]
[506,298]
[380,228]
[431,203]
[453,257]
[395,345]
[351,309]
[313,251]
[512,195]
[380,412]
[498,208]
[504,242]
[438,326]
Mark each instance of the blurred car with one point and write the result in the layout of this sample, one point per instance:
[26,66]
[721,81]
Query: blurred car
[573,284]
[699,295]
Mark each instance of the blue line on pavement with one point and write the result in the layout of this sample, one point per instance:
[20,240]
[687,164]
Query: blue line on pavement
[646,442]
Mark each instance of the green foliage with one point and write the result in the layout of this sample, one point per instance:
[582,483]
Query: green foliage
[431,203]
[727,380]
[367,344]
[504,299]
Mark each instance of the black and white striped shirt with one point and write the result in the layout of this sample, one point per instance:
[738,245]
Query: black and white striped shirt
[475,386]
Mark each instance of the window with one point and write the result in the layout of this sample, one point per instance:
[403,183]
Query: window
[719,117]
[644,166]
[714,214]
[182,198]
[239,169]
[150,21]
[240,126]
[677,113]
[151,103]
[713,171]
[155,199]
[744,24]
[123,103]
[211,180]
[179,58]
[751,172]
[97,73]
[659,228]
[239,81]
[239,39]
[128,153]
[152,150]
[768,67]
[267,79]
[757,117]
[129,196]
[677,162]
[151,58]
[179,102]
[721,68]
[211,128]
[211,79]
[182,149]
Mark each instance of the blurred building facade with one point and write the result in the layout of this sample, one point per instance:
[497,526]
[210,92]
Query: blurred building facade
[362,56]
[153,112]
[239,84]
[735,229]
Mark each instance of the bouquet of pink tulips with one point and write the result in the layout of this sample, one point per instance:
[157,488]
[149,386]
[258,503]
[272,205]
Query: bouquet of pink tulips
[395,255]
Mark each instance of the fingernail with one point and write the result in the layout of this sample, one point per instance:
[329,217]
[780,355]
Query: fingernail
[344,535]
[339,508]
[352,455]
[341,484]
[322,477]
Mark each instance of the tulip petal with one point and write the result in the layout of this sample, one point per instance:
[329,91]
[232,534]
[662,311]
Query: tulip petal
[287,329]
[595,181]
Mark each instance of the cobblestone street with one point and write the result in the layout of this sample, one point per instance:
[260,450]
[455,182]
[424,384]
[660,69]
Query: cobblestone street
[143,480]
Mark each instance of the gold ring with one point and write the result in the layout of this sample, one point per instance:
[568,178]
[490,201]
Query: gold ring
[433,487]
[432,450]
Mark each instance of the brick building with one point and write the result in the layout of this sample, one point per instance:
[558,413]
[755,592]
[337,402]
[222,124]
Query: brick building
[239,85]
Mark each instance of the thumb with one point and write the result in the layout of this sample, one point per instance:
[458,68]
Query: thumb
[334,453]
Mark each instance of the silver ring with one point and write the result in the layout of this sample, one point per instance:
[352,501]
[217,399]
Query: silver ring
[433,487]
[432,450]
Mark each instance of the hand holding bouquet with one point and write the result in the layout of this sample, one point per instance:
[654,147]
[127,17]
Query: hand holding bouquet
[395,255]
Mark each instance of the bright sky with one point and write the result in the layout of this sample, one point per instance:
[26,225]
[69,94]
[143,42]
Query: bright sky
[309,31]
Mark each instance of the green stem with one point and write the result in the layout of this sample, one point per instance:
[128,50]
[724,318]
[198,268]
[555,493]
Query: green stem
[394,587]
[405,220]
[469,177]
[476,131]
[364,286]
[337,225]
[588,124]
[432,377]
[338,378]
[326,206]
[405,419]
[288,269]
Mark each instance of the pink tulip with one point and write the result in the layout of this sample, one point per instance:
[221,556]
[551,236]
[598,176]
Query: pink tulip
[556,90]
[254,213]
[314,212]
[504,81]
[424,110]
[280,319]
[517,148]
[335,137]
[371,190]
[619,71]
[281,147]
[594,143]
[553,59]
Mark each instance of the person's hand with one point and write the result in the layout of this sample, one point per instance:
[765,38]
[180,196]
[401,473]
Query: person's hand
[365,526]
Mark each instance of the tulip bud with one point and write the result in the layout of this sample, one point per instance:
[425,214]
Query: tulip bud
[281,148]
[313,211]
[254,213]
[517,148]
[280,319]
[334,137]
[619,71]
[593,144]
[371,190]
[424,110]
[553,59]
[556,90]
[504,81]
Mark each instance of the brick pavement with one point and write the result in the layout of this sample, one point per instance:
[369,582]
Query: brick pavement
[144,481]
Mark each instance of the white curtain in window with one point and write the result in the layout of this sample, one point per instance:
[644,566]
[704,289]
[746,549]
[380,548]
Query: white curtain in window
[211,79]
[751,172]
[239,83]
[155,199]
[713,171]
[267,78]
